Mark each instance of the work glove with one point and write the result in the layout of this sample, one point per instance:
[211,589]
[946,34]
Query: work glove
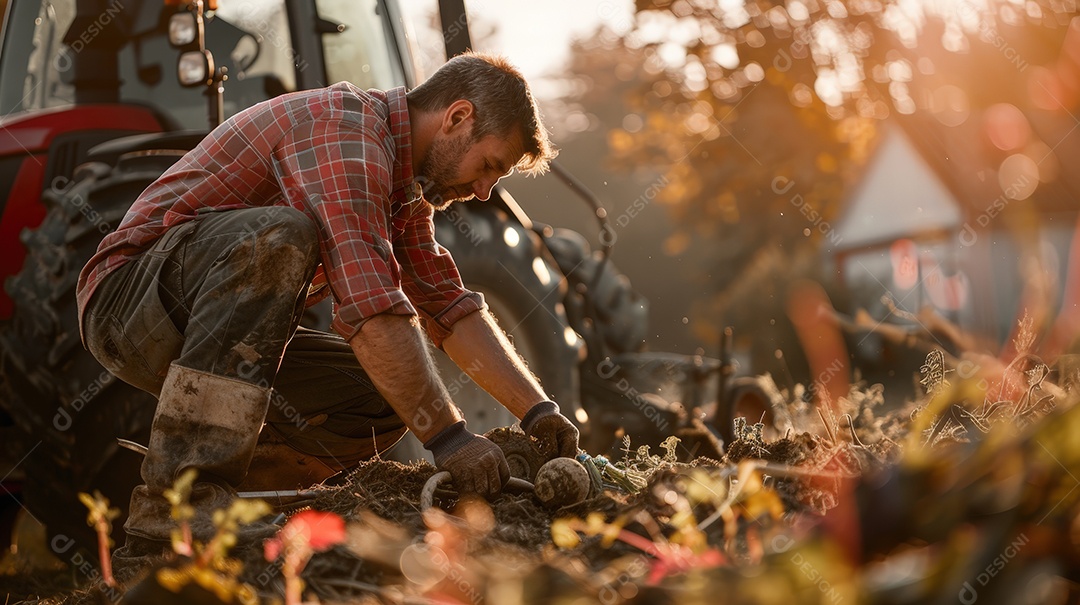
[555,434]
[475,463]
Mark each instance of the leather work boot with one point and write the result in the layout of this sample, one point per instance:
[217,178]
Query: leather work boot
[204,422]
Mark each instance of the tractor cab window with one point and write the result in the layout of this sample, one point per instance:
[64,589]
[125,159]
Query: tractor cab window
[32,59]
[361,51]
[54,57]
[269,51]
[250,38]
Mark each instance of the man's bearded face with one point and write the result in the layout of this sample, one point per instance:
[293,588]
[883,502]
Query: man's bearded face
[439,171]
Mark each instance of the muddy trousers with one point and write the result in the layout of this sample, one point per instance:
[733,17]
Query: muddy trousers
[207,320]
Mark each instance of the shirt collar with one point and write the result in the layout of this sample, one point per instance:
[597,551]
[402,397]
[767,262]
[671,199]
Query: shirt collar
[406,189]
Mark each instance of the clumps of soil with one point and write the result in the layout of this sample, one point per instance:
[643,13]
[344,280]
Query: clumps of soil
[804,451]
[521,521]
[391,491]
[522,453]
[387,488]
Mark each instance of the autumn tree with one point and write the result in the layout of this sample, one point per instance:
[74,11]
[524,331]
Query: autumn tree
[759,116]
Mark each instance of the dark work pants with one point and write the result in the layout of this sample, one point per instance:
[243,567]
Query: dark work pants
[223,294]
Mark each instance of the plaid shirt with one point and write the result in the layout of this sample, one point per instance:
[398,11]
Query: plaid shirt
[342,156]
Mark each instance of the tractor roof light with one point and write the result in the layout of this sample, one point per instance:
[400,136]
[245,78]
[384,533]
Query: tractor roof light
[183,29]
[195,67]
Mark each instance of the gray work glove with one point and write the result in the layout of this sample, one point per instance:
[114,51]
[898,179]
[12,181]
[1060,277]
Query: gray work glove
[555,434]
[476,464]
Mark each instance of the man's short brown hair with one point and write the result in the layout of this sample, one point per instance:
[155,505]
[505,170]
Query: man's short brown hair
[501,100]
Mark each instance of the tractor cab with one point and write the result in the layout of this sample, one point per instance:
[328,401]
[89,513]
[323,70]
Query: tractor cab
[163,55]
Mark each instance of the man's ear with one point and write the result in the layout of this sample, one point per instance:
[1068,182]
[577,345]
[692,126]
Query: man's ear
[458,115]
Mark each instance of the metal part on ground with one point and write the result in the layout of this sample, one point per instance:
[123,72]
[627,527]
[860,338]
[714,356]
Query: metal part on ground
[442,480]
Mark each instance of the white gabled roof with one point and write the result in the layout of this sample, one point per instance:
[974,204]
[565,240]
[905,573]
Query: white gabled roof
[898,196]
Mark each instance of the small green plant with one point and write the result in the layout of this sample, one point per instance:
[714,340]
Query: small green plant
[684,550]
[209,565]
[933,372]
[100,518]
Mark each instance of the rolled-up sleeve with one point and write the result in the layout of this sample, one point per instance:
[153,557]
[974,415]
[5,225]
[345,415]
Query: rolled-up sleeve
[338,175]
[430,276]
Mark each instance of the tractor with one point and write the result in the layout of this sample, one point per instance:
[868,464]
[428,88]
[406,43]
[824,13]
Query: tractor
[99,97]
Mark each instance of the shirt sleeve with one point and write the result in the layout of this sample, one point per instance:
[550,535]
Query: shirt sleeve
[430,276]
[339,174]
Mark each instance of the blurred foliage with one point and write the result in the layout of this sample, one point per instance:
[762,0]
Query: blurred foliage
[758,118]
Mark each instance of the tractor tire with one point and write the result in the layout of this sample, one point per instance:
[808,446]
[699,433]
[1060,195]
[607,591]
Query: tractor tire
[613,320]
[601,304]
[67,410]
[524,290]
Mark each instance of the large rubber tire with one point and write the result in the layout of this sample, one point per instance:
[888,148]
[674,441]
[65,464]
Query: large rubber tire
[613,320]
[601,303]
[524,290]
[67,409]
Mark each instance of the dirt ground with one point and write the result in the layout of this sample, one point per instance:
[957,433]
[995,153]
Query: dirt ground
[963,494]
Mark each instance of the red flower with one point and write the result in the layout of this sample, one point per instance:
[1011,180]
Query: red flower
[310,530]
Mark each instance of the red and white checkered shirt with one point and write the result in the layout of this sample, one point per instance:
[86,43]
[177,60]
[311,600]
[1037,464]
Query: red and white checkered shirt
[341,155]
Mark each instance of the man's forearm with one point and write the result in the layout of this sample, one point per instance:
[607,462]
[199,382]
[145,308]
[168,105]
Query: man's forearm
[482,350]
[393,351]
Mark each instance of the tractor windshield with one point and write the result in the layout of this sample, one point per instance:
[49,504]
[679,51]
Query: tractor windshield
[33,34]
[362,53]
[56,53]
